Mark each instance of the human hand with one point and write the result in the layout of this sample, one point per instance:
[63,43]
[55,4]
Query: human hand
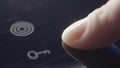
[99,29]
[90,39]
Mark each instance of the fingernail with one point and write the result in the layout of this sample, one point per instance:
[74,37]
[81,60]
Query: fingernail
[73,32]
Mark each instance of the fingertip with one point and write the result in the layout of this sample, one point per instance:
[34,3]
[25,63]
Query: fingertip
[73,32]
[97,30]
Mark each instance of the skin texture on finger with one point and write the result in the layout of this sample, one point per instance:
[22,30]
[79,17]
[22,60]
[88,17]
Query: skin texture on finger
[99,29]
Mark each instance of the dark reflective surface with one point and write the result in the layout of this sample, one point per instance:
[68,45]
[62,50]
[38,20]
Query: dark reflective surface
[108,57]
[49,18]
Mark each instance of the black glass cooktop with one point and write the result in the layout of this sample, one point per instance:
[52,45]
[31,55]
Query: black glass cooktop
[30,31]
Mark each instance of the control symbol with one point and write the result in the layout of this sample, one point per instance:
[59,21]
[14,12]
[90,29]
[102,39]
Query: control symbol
[33,55]
[22,28]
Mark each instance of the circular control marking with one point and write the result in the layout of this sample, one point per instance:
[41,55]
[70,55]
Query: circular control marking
[22,28]
[32,55]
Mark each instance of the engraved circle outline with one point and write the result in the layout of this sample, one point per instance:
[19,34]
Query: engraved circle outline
[28,28]
[32,57]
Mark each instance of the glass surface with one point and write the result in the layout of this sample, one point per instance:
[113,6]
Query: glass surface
[41,47]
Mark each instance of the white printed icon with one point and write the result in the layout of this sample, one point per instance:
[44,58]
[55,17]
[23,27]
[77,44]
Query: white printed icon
[33,55]
[22,28]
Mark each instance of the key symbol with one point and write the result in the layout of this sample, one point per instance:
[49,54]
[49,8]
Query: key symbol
[33,55]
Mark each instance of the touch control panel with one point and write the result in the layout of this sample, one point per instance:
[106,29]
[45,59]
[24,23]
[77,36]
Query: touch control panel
[30,31]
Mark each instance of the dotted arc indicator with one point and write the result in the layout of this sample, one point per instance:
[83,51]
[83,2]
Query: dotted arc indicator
[22,28]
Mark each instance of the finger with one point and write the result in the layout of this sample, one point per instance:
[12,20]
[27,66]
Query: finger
[99,29]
